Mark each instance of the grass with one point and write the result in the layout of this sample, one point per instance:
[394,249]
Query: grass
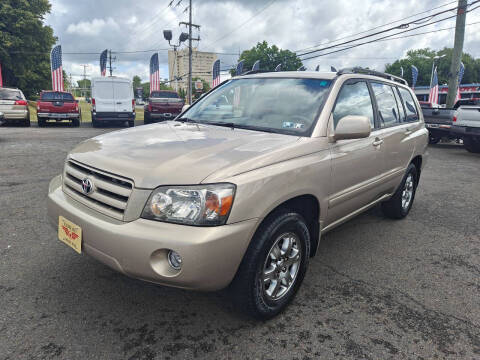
[85,109]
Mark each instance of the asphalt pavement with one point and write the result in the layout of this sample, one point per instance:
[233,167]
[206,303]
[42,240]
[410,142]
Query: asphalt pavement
[378,289]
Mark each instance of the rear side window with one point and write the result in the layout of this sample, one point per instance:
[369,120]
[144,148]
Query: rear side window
[387,105]
[410,108]
[9,94]
[353,99]
[56,96]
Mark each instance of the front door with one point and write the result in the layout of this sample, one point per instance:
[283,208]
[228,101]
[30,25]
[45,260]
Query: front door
[356,164]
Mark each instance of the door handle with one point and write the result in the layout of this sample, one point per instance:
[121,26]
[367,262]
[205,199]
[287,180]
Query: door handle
[377,142]
[408,131]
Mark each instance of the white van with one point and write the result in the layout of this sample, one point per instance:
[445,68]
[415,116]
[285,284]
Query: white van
[112,100]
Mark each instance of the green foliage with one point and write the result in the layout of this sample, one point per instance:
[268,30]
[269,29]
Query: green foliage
[84,83]
[25,44]
[270,57]
[146,88]
[422,59]
[136,82]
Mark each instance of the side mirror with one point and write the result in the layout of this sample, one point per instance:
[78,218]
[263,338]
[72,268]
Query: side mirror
[353,127]
[185,107]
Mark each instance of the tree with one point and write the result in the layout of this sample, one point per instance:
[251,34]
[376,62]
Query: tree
[146,88]
[269,58]
[25,44]
[136,82]
[422,59]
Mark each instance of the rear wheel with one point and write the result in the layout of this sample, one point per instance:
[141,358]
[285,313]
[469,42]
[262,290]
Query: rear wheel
[41,122]
[131,123]
[273,266]
[472,144]
[26,123]
[398,206]
[75,122]
[433,139]
[146,119]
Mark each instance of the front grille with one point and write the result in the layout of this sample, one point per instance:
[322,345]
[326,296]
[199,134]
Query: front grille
[110,192]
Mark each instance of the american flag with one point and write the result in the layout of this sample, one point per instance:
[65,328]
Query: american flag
[239,69]
[433,96]
[460,77]
[1,80]
[57,70]
[154,73]
[216,73]
[103,62]
[256,65]
[414,76]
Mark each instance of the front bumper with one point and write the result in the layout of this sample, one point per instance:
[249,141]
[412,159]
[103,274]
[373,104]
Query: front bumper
[211,255]
[59,116]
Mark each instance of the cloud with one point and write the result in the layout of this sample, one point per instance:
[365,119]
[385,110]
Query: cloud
[228,26]
[95,27]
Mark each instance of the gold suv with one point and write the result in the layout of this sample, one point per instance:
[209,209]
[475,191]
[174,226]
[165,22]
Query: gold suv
[239,188]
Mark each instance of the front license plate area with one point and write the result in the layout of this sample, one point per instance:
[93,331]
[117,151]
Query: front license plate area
[70,234]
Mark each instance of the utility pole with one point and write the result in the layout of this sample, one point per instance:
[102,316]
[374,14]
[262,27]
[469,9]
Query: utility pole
[84,87]
[190,25]
[110,61]
[457,52]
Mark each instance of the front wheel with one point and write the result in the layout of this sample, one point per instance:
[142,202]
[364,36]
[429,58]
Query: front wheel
[399,205]
[273,266]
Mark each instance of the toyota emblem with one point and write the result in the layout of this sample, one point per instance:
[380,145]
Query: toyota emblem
[87,186]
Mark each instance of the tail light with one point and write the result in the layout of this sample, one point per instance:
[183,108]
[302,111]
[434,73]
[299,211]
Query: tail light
[150,107]
[454,118]
[93,104]
[38,105]
[133,105]
[21,102]
[76,106]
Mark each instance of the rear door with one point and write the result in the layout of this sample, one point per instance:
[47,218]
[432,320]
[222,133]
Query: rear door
[357,164]
[102,92]
[123,95]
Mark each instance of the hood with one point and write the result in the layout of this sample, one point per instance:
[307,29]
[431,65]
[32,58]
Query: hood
[174,153]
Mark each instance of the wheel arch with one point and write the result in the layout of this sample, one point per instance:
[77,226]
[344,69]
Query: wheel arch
[417,161]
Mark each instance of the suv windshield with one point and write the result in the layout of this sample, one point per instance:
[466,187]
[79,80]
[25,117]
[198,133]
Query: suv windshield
[282,105]
[56,96]
[164,94]
[9,94]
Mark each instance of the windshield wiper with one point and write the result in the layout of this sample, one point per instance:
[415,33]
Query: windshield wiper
[221,123]
[186,120]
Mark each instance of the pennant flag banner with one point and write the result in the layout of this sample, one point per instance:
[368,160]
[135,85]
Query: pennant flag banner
[216,73]
[332,69]
[154,73]
[433,95]
[278,67]
[256,66]
[239,70]
[317,68]
[302,68]
[103,62]
[460,77]
[414,76]
[57,69]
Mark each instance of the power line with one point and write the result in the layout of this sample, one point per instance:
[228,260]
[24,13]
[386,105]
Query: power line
[245,22]
[384,37]
[374,28]
[401,26]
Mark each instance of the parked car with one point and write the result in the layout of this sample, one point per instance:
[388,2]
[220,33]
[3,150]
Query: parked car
[438,121]
[2,118]
[57,106]
[162,105]
[112,101]
[466,124]
[242,199]
[14,106]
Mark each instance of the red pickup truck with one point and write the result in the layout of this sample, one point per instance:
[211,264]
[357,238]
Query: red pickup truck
[58,106]
[162,105]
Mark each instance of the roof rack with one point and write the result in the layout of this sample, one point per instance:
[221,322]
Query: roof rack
[250,72]
[359,70]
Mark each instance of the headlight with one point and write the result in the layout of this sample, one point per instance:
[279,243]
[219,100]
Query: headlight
[203,205]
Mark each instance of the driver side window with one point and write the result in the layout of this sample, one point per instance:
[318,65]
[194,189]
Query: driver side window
[353,99]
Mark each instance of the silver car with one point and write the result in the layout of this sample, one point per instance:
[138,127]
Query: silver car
[14,106]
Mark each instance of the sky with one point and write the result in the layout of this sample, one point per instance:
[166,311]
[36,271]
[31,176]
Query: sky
[87,27]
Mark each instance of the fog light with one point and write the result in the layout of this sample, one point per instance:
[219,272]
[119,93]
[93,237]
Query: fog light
[175,260]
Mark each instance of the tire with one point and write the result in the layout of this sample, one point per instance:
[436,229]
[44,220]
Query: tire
[433,139]
[94,123]
[250,293]
[395,207]
[41,122]
[26,123]
[131,123]
[471,144]
[146,119]
[76,122]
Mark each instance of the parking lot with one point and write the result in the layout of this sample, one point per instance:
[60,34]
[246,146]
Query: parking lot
[378,289]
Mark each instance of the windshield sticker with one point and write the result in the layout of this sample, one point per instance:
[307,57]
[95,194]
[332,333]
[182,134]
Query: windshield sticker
[292,125]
